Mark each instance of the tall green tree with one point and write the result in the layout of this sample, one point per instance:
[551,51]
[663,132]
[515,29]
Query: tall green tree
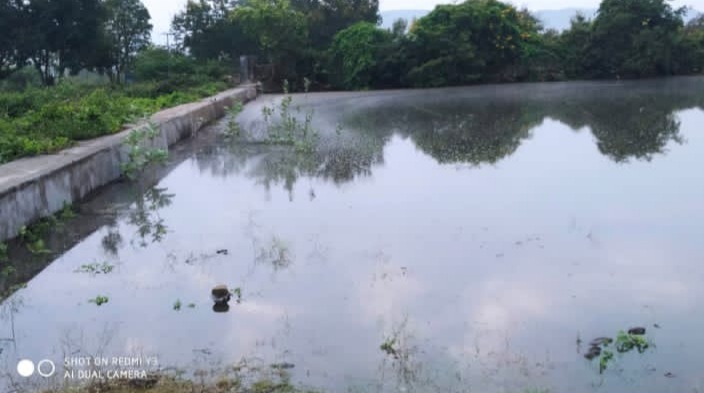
[634,38]
[478,40]
[279,30]
[355,53]
[10,18]
[62,35]
[205,30]
[128,31]
[327,17]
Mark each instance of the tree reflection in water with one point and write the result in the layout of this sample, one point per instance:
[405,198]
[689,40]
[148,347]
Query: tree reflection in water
[145,215]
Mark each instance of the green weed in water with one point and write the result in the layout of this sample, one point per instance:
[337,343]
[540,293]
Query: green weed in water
[233,127]
[99,300]
[604,359]
[288,129]
[626,342]
[389,347]
[95,268]
[238,294]
[3,252]
[177,305]
[140,155]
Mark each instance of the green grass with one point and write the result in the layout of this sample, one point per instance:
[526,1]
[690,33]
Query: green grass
[45,120]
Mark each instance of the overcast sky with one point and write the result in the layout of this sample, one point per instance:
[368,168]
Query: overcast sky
[162,11]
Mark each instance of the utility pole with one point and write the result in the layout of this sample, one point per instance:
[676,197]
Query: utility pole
[168,50]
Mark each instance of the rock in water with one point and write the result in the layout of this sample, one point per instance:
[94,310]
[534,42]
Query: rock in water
[221,294]
[593,352]
[601,341]
[637,331]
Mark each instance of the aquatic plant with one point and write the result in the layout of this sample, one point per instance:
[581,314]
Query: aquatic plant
[238,294]
[140,155]
[99,300]
[288,129]
[177,305]
[95,268]
[277,254]
[388,346]
[625,342]
[233,127]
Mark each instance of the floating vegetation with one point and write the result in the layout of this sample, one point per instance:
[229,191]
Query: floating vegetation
[238,294]
[276,254]
[177,305]
[95,268]
[233,127]
[625,342]
[389,347]
[191,305]
[140,155]
[287,129]
[99,300]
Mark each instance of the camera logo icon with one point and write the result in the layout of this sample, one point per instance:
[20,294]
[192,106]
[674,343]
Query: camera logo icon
[45,368]
[25,368]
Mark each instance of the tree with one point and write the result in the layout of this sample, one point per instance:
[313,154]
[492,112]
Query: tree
[205,30]
[574,44]
[128,31]
[355,53]
[61,35]
[634,38]
[10,16]
[327,17]
[279,31]
[478,40]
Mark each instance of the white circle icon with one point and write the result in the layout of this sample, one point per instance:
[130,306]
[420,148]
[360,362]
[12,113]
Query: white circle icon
[46,368]
[25,368]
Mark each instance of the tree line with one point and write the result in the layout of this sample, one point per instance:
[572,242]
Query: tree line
[339,45]
[59,37]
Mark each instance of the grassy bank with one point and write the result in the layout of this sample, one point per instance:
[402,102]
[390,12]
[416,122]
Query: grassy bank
[44,120]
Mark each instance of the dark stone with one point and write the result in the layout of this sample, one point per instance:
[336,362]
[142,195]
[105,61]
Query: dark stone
[221,294]
[601,341]
[637,331]
[593,352]
[221,307]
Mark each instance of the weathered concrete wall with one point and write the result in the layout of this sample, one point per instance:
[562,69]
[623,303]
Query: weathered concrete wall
[36,187]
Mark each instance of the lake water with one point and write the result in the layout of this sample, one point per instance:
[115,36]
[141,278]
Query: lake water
[485,234]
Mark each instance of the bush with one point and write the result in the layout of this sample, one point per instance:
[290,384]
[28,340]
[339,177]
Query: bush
[45,120]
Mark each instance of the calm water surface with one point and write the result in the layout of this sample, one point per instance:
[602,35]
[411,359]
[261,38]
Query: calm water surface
[488,233]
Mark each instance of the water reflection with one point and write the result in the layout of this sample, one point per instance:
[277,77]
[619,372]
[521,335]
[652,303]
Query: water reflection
[341,162]
[481,282]
[145,216]
[456,126]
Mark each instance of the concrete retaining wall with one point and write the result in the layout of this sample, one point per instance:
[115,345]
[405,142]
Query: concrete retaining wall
[36,187]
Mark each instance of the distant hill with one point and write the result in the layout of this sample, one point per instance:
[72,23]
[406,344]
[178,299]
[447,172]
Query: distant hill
[552,19]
